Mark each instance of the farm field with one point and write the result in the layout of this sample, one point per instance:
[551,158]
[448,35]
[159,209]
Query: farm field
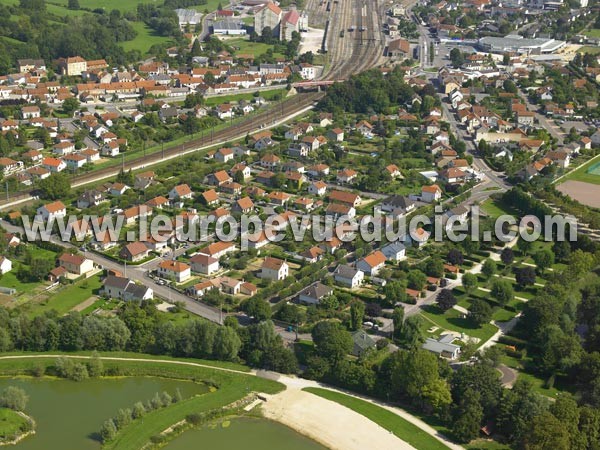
[121,5]
[145,38]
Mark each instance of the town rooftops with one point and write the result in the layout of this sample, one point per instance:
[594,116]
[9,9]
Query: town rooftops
[54,206]
[375,259]
[273,263]
[174,266]
[71,259]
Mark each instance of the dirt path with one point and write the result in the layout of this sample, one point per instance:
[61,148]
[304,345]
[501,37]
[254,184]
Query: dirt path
[84,304]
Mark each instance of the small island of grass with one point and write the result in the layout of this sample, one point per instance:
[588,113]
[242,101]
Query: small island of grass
[13,426]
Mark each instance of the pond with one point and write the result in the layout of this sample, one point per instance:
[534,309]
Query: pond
[246,433]
[68,414]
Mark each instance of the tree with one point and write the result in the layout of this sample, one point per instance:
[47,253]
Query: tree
[398,321]
[546,432]
[457,57]
[373,309]
[469,282]
[525,276]
[94,366]
[502,291]
[257,308]
[138,410]
[524,246]
[480,312]
[331,340]
[57,185]
[468,415]
[416,279]
[123,418]
[14,398]
[394,292]
[435,267]
[73,4]
[562,250]
[543,259]
[507,256]
[489,268]
[446,299]
[227,344]
[411,332]
[357,315]
[70,105]
[455,257]
[108,431]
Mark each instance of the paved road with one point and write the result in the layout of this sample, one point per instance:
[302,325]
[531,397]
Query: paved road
[548,125]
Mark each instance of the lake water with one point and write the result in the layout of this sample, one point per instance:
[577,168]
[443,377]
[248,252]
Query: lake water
[69,414]
[246,433]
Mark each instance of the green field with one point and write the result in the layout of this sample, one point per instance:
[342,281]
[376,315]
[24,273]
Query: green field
[122,5]
[220,99]
[452,320]
[581,173]
[246,47]
[68,297]
[395,424]
[594,32]
[145,38]
[496,208]
[589,49]
[11,424]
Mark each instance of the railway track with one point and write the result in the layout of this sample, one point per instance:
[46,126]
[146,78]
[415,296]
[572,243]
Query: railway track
[353,54]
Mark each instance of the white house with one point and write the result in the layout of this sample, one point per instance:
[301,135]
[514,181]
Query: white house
[317,188]
[51,211]
[5,265]
[174,270]
[372,264]
[204,264]
[348,276]
[394,251]
[274,269]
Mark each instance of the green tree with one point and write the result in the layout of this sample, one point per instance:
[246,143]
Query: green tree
[469,282]
[56,186]
[489,268]
[70,105]
[14,398]
[227,344]
[331,340]
[502,291]
[507,256]
[525,276]
[398,320]
[73,4]
[543,259]
[468,415]
[411,333]
[108,431]
[357,314]
[257,308]
[457,57]
[480,312]
[416,279]
[546,433]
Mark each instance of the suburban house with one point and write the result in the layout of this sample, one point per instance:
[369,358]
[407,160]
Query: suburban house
[398,205]
[345,197]
[54,165]
[180,192]
[317,188]
[134,251]
[346,176]
[394,251]
[336,135]
[430,194]
[5,265]
[174,270]
[204,264]
[361,342]
[51,211]
[313,294]
[348,276]
[125,289]
[372,263]
[8,166]
[75,264]
[274,269]
[443,346]
[218,249]
[90,198]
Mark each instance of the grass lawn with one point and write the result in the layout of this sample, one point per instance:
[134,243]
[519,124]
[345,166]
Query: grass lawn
[452,320]
[580,174]
[267,95]
[108,5]
[482,444]
[594,32]
[68,297]
[400,427]
[538,383]
[496,208]
[246,47]
[11,424]
[145,38]
[10,280]
[211,5]
[590,49]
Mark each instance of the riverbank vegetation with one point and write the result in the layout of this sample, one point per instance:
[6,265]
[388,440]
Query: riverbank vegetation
[14,424]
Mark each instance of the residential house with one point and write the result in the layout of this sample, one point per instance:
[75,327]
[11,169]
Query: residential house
[51,211]
[180,192]
[218,249]
[174,270]
[317,188]
[348,276]
[398,205]
[125,289]
[54,165]
[346,176]
[443,346]
[337,210]
[224,155]
[75,264]
[274,269]
[204,264]
[313,294]
[394,251]
[218,178]
[243,205]
[372,264]
[431,194]
[336,135]
[134,251]
[361,343]
[5,265]
[345,197]
[90,198]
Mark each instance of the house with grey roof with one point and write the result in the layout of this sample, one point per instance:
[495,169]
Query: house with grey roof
[443,347]
[398,205]
[125,289]
[348,276]
[313,294]
[394,251]
[362,342]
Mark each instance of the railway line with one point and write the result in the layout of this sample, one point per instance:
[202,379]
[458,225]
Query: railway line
[355,52]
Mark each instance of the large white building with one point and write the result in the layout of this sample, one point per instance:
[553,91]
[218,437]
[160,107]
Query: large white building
[519,44]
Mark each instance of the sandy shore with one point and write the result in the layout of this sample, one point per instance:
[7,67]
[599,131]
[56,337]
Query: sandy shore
[329,423]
